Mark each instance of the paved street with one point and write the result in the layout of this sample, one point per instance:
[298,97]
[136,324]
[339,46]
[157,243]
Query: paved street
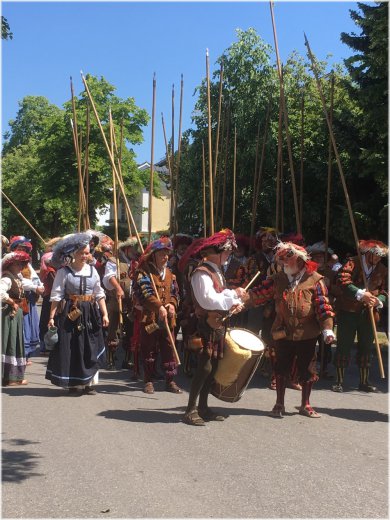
[124,454]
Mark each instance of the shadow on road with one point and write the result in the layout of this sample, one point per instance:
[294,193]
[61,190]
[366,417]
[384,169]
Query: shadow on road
[19,465]
[50,391]
[352,414]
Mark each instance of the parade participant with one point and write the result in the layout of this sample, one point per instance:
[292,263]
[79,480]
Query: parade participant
[13,302]
[157,310]
[78,309]
[102,253]
[4,245]
[187,263]
[115,290]
[212,302]
[33,288]
[317,254]
[302,311]
[353,309]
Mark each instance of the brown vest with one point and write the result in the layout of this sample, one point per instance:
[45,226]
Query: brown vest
[124,277]
[150,311]
[16,291]
[212,317]
[295,309]
[377,284]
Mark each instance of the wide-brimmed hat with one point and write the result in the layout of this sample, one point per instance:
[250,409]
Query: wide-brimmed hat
[373,246]
[318,247]
[290,250]
[223,240]
[157,245]
[64,249]
[18,240]
[129,242]
[15,256]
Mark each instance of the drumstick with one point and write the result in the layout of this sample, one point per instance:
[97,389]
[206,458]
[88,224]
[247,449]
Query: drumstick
[251,282]
[245,288]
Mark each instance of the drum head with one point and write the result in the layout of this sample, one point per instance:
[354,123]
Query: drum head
[246,339]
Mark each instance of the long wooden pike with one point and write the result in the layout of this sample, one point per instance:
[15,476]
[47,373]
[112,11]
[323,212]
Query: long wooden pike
[260,172]
[116,238]
[329,184]
[302,155]
[337,156]
[176,227]
[82,200]
[218,122]
[225,167]
[169,164]
[112,159]
[285,116]
[219,173]
[204,191]
[152,162]
[86,166]
[211,189]
[121,185]
[23,217]
[278,170]
[234,179]
[255,184]
[172,206]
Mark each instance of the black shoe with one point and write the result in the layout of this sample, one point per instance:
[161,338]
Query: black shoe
[337,388]
[367,387]
[89,390]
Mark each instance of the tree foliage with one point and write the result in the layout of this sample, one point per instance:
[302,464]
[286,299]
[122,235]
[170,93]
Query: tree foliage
[39,162]
[6,33]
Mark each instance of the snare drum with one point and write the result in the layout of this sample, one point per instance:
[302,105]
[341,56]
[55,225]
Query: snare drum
[242,354]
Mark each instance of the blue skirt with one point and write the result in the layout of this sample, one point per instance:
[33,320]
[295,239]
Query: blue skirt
[31,325]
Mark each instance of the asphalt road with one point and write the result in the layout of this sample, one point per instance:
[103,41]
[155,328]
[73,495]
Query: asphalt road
[125,454]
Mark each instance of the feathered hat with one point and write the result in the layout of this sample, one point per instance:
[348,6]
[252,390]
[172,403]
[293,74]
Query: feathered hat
[223,240]
[373,246]
[192,251]
[16,256]
[106,244]
[290,250]
[295,238]
[261,232]
[129,242]
[157,245]
[318,247]
[18,240]
[182,238]
[64,249]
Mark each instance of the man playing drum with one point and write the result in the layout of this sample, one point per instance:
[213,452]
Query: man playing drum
[302,312]
[212,301]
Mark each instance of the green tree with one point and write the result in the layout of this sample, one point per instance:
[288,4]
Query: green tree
[39,163]
[6,33]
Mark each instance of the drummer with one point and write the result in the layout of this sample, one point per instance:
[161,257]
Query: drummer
[212,301]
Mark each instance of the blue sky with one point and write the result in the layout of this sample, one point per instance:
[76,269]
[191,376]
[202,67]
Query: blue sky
[126,42]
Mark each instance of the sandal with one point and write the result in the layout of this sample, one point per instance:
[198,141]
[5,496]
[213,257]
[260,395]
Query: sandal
[193,419]
[278,410]
[17,383]
[149,388]
[209,415]
[308,411]
[173,388]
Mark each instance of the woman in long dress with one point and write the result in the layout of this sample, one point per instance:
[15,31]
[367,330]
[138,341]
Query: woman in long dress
[78,309]
[13,356]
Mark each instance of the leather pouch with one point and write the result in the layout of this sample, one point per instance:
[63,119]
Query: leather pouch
[74,314]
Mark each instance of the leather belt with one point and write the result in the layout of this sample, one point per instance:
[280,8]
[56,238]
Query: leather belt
[81,297]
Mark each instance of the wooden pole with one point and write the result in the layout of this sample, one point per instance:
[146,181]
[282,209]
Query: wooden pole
[327,219]
[218,123]
[169,164]
[225,168]
[219,175]
[210,146]
[86,166]
[253,223]
[23,217]
[260,172]
[116,239]
[172,207]
[204,191]
[278,169]
[302,154]
[234,179]
[152,162]
[285,116]
[176,227]
[118,178]
[336,153]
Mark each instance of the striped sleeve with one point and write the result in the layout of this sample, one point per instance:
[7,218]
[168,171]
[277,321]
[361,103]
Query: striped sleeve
[144,292]
[263,293]
[322,306]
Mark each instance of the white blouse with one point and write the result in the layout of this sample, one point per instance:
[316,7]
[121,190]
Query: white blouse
[65,280]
